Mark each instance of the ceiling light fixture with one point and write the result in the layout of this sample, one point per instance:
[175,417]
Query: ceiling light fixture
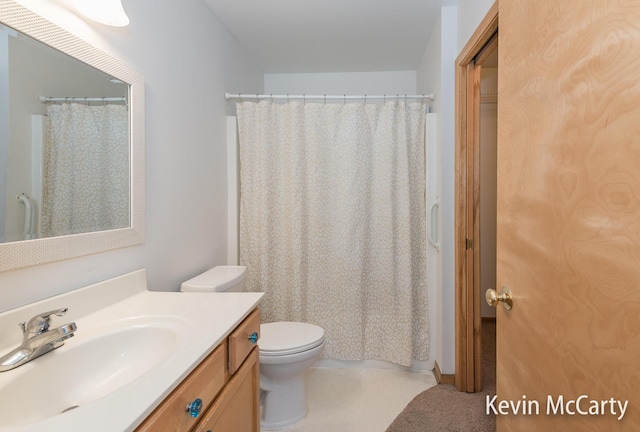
[109,12]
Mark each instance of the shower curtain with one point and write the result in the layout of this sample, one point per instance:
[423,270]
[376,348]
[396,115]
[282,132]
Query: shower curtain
[86,169]
[332,222]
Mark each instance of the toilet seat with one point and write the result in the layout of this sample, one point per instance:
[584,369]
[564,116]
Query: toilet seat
[286,338]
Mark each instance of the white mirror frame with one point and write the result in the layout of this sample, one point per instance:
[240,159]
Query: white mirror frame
[39,251]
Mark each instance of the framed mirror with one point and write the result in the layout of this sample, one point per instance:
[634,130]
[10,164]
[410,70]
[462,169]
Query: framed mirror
[71,145]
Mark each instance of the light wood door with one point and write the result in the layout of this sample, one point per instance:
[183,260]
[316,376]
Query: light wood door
[568,223]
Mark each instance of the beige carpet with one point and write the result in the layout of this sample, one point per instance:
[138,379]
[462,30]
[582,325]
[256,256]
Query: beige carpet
[443,408]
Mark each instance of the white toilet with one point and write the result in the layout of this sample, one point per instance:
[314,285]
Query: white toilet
[287,349]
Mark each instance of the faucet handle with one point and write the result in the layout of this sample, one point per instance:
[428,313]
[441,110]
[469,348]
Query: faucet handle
[40,323]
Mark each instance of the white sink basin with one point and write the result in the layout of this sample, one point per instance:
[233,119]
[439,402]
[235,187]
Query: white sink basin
[132,347]
[91,365]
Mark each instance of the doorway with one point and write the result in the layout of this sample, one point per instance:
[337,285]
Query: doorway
[487,209]
[481,48]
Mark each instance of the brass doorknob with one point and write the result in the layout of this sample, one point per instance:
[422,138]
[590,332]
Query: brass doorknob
[505,297]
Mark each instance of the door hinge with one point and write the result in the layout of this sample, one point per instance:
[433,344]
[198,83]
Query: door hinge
[469,244]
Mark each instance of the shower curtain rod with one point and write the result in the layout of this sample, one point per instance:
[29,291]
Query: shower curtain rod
[242,96]
[45,99]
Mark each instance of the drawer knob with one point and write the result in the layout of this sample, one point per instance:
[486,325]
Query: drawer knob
[194,408]
[254,337]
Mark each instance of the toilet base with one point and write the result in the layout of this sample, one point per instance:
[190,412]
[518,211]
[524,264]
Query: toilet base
[283,387]
[283,405]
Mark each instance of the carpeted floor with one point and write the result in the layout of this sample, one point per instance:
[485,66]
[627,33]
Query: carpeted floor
[443,408]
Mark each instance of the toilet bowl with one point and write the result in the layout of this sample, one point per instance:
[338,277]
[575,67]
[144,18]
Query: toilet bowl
[287,350]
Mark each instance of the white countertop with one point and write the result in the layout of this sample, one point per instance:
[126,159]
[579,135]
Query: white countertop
[205,319]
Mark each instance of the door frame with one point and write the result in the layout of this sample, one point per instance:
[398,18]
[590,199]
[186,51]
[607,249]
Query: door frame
[468,351]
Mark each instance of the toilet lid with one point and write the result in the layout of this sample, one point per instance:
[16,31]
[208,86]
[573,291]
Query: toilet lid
[283,338]
[217,279]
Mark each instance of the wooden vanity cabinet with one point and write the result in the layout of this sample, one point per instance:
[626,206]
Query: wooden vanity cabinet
[227,382]
[238,406]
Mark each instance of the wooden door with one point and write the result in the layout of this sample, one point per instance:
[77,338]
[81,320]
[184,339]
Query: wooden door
[568,222]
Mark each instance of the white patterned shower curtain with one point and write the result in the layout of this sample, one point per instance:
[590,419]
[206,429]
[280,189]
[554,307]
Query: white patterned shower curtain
[332,222]
[86,169]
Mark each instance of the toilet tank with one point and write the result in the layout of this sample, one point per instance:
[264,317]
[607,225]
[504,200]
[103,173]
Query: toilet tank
[217,279]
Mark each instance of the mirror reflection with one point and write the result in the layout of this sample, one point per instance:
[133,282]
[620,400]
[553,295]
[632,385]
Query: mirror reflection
[64,144]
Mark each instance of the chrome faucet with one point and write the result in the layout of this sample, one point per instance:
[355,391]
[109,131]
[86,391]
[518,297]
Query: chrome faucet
[37,339]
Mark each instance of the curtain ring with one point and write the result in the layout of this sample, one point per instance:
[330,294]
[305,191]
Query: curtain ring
[365,99]
[405,98]
[287,97]
[345,99]
[304,99]
[384,98]
[325,98]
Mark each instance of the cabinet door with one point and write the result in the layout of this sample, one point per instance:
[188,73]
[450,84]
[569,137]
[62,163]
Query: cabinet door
[238,406]
[205,382]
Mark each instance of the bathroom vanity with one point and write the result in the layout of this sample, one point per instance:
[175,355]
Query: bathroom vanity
[222,393]
[139,361]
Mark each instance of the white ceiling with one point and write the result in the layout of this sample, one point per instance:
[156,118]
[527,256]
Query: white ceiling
[295,36]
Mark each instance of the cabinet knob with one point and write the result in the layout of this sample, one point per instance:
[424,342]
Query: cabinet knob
[254,337]
[194,408]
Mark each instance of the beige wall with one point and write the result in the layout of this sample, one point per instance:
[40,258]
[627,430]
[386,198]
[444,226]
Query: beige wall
[470,13]
[392,82]
[436,74]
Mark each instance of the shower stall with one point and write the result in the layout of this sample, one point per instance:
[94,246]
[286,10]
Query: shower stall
[430,232]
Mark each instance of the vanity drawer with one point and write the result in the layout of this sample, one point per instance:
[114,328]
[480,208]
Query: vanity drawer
[205,382]
[240,341]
